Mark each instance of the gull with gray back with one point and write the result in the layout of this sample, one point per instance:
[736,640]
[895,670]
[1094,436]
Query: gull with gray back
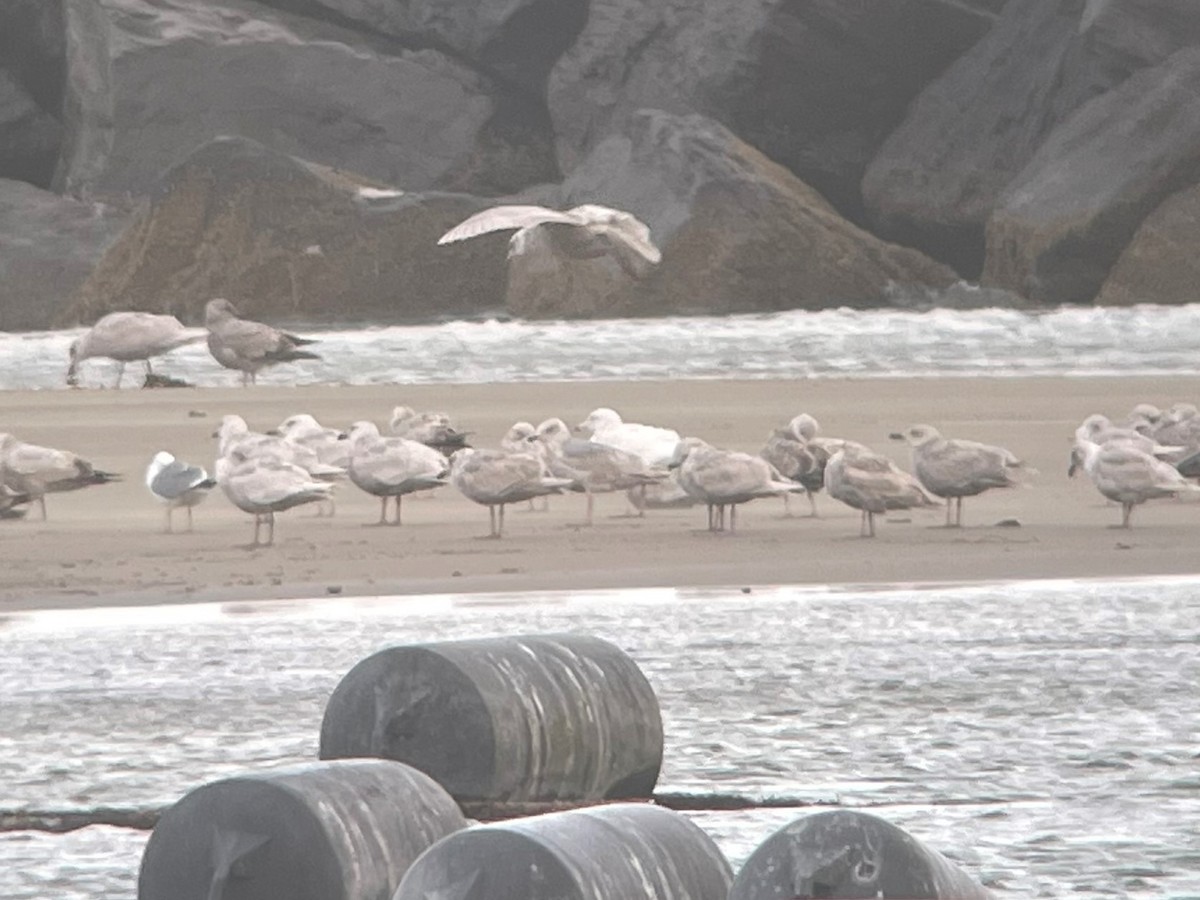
[494,478]
[726,478]
[265,485]
[1123,473]
[177,484]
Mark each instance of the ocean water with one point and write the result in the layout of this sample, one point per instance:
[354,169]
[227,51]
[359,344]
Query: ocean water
[794,344]
[1046,735]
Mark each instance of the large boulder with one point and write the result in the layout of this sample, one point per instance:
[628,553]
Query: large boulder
[48,246]
[516,40]
[1066,218]
[816,85]
[32,54]
[287,239]
[738,233]
[1160,264]
[937,178]
[153,79]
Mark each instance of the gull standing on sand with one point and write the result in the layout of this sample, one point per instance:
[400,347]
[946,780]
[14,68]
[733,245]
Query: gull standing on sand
[393,466]
[234,434]
[721,478]
[1122,472]
[872,484]
[10,500]
[263,486]
[1098,429]
[600,467]
[655,445]
[788,451]
[331,446]
[953,469]
[249,346]
[585,232]
[493,478]
[516,440]
[37,471]
[177,484]
[129,337]
[433,429]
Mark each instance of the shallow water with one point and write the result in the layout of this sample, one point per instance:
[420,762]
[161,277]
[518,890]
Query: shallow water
[1042,733]
[794,344]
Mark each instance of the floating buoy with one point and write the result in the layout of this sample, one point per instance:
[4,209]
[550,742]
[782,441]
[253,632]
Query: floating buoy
[848,854]
[531,718]
[631,851]
[344,830]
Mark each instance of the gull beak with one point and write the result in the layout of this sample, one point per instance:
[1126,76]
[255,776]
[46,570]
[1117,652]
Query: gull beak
[896,436]
[343,436]
[274,432]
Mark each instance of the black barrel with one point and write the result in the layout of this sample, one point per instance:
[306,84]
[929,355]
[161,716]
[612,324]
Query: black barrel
[530,718]
[344,830]
[625,851]
[843,853]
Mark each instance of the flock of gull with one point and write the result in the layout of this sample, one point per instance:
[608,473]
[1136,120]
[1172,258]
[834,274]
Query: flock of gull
[1150,454]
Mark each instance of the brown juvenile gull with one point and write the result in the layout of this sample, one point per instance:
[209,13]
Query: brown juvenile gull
[493,478]
[263,486]
[872,484]
[1122,472]
[585,232]
[129,337]
[953,469]
[37,471]
[393,466]
[721,478]
[788,450]
[600,468]
[177,484]
[249,346]
[433,429]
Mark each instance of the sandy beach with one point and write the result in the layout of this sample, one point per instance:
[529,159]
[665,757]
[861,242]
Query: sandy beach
[105,545]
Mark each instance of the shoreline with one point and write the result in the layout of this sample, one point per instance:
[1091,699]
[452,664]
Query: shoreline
[103,546]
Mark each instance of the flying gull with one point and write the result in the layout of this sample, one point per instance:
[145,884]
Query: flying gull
[177,484]
[388,467]
[953,469]
[37,471]
[249,346]
[585,232]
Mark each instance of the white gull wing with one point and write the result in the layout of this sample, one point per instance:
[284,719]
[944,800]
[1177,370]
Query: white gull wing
[505,218]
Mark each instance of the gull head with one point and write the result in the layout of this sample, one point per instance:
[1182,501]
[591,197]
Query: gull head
[298,425]
[553,431]
[361,431]
[401,414]
[218,310]
[918,435]
[597,420]
[804,427]
[520,431]
[684,449]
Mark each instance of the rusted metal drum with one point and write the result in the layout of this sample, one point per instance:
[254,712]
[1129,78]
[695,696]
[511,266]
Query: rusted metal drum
[631,851]
[345,830]
[531,718]
[843,853]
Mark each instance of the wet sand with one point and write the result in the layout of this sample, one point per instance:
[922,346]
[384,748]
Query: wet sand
[105,545]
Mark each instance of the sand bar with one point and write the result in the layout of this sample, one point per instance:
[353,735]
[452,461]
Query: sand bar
[105,545]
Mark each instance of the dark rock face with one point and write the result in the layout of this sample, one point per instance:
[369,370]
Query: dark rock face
[815,85]
[738,232]
[48,247]
[1160,264]
[288,239]
[413,118]
[938,177]
[32,67]
[1068,215]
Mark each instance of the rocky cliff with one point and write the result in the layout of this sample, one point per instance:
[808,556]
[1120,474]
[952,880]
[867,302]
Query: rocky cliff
[303,156]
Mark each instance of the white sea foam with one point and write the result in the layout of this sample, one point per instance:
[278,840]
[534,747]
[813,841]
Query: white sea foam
[1141,340]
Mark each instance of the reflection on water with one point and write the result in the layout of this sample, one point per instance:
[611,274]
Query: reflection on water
[792,344]
[1044,734]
